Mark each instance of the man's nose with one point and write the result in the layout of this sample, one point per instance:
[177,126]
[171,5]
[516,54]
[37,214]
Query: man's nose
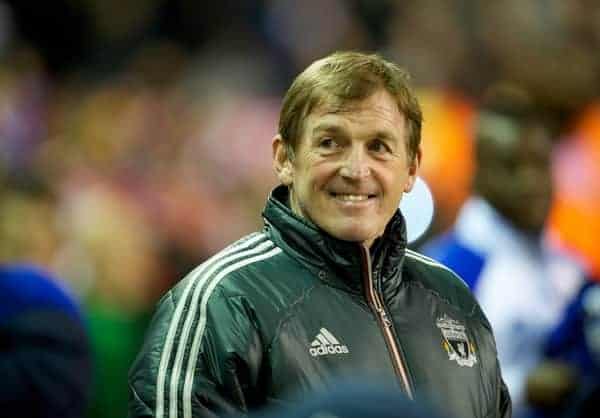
[355,165]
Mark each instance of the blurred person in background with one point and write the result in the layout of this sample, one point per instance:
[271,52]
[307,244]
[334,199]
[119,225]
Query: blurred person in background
[45,360]
[497,244]
[45,353]
[328,290]
[566,383]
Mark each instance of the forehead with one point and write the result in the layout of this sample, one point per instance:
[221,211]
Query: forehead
[378,111]
[508,136]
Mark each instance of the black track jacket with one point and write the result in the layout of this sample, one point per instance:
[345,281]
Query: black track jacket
[291,310]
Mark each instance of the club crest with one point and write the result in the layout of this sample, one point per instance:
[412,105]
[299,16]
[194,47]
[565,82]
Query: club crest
[456,343]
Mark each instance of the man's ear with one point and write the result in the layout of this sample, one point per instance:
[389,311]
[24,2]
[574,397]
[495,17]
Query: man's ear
[413,170]
[281,161]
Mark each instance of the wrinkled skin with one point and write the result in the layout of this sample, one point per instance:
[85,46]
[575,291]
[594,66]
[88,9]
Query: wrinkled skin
[351,167]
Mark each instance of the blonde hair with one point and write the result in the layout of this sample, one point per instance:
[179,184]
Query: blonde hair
[344,77]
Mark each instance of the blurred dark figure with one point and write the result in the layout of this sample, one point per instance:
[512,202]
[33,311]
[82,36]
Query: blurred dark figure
[498,244]
[44,354]
[352,400]
[567,383]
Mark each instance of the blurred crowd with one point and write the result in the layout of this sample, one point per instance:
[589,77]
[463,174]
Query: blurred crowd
[135,134]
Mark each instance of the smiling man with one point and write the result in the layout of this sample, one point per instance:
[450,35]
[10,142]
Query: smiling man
[350,168]
[328,290]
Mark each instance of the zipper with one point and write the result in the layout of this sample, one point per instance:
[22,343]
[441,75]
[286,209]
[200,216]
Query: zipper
[374,301]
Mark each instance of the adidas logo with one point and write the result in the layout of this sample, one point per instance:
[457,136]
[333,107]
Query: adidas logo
[325,343]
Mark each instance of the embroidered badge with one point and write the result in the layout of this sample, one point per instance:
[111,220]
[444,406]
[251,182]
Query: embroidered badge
[456,343]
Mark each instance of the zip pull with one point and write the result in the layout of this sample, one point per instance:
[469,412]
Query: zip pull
[384,316]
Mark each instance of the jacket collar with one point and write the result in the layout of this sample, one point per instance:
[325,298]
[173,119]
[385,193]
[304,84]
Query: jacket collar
[336,261]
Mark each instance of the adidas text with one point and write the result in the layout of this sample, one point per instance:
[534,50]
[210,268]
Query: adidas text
[325,343]
[330,349]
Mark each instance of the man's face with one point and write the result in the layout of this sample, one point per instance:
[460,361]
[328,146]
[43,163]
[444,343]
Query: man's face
[350,167]
[515,175]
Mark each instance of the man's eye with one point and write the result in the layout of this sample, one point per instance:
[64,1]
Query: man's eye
[379,146]
[327,143]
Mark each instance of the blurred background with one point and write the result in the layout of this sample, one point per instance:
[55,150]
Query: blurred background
[135,134]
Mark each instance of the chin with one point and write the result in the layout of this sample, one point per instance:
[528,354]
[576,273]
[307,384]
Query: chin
[354,235]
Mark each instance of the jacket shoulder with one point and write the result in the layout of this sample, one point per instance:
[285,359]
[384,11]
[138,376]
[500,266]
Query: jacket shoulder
[185,319]
[236,260]
[442,281]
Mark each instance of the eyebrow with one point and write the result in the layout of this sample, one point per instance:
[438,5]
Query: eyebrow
[327,127]
[386,136]
[335,129]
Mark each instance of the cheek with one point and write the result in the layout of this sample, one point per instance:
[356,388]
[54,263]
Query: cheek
[395,184]
[318,175]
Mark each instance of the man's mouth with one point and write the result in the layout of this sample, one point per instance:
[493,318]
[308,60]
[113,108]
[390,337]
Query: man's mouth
[348,197]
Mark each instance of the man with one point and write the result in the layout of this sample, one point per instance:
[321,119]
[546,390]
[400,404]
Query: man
[328,290]
[45,361]
[497,244]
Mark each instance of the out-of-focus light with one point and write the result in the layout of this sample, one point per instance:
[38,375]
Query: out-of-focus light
[417,208]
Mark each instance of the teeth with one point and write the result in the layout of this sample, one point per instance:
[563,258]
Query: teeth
[352,197]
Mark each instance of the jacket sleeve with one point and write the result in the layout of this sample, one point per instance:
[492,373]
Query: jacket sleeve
[201,358]
[503,407]
[504,401]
